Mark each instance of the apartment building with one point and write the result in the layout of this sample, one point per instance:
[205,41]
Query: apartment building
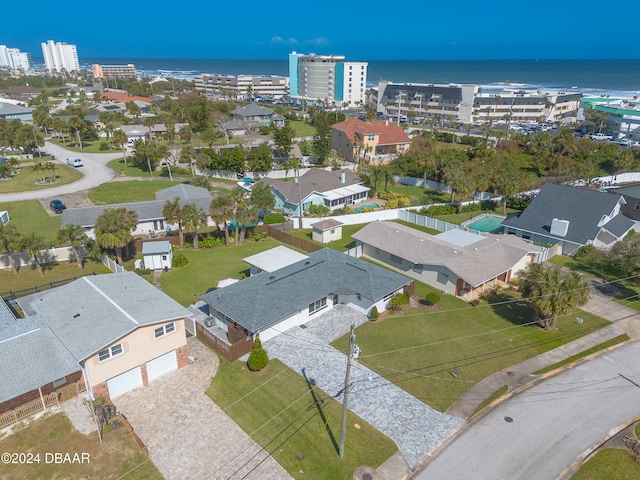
[623,120]
[469,104]
[242,86]
[14,59]
[60,56]
[113,71]
[327,78]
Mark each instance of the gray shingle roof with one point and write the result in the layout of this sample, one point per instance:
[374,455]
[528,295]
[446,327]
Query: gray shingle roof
[476,263]
[618,225]
[183,191]
[252,110]
[315,180]
[32,358]
[583,208]
[267,298]
[93,312]
[326,224]
[151,248]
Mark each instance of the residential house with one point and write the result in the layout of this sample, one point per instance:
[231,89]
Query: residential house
[9,111]
[151,221]
[269,303]
[371,142]
[157,255]
[254,116]
[334,189]
[631,195]
[456,262]
[571,217]
[106,334]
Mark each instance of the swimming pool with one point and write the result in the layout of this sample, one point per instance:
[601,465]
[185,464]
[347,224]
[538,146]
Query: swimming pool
[365,207]
[488,224]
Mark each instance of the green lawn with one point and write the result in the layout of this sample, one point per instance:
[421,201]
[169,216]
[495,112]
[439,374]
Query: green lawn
[28,277]
[130,170]
[30,216]
[417,195]
[207,266]
[463,217]
[609,464]
[87,147]
[417,350]
[26,179]
[302,129]
[117,457]
[130,191]
[298,424]
[342,245]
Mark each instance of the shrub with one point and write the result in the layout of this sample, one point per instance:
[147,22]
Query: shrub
[179,260]
[211,242]
[373,314]
[469,140]
[143,271]
[433,298]
[520,202]
[398,300]
[435,210]
[201,181]
[257,344]
[258,359]
[274,218]
[320,210]
[446,137]
[104,146]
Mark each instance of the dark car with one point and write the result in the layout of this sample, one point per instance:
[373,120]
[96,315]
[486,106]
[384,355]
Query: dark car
[57,206]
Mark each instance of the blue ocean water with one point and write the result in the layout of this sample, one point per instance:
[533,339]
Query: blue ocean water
[591,77]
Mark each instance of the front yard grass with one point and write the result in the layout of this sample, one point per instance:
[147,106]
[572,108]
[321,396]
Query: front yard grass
[417,195]
[92,146]
[118,456]
[130,191]
[609,463]
[25,180]
[130,170]
[418,350]
[30,216]
[298,424]
[302,129]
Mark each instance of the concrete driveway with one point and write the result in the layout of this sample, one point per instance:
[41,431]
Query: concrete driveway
[187,434]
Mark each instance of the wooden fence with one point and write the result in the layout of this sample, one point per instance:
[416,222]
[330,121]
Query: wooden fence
[27,409]
[289,239]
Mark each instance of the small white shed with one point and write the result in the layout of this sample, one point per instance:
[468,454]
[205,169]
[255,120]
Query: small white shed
[326,231]
[157,255]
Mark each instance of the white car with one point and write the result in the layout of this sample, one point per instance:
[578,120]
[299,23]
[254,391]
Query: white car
[601,137]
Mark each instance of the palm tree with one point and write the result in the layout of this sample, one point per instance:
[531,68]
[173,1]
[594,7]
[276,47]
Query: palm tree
[221,211]
[121,139]
[10,240]
[113,229]
[75,236]
[193,218]
[75,125]
[552,293]
[174,213]
[34,244]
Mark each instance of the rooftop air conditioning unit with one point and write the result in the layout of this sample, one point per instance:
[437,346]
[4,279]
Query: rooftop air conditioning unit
[208,322]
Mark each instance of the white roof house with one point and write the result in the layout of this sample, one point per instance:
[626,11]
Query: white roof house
[273,259]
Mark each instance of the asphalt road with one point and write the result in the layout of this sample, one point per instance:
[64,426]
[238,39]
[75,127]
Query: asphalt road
[94,172]
[551,424]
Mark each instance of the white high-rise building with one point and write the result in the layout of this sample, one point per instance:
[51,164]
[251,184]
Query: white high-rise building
[14,59]
[327,78]
[60,57]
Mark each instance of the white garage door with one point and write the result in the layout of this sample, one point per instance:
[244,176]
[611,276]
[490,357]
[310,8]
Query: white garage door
[161,365]
[124,382]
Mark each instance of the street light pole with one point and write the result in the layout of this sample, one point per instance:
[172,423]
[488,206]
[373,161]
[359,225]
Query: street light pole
[345,397]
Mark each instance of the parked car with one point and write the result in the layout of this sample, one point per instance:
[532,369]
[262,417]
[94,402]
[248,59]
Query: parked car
[57,206]
[601,137]
[74,162]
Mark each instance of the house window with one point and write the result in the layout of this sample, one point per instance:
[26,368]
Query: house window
[158,224]
[443,278]
[164,330]
[333,230]
[637,204]
[164,257]
[418,268]
[388,296]
[317,305]
[112,351]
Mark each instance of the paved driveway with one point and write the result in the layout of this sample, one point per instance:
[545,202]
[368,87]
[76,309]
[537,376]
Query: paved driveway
[187,434]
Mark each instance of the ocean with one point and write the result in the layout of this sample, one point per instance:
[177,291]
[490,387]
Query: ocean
[617,78]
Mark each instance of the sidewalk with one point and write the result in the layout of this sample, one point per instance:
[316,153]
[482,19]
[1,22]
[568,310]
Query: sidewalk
[624,320]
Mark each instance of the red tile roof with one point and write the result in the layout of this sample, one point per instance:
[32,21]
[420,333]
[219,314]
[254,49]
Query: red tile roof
[389,133]
[122,97]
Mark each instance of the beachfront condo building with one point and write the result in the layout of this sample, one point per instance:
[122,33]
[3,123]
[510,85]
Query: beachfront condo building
[242,86]
[327,79]
[14,59]
[623,119]
[469,104]
[60,57]
[113,71]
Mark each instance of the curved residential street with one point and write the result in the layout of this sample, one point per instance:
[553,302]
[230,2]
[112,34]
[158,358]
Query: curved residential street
[538,433]
[95,172]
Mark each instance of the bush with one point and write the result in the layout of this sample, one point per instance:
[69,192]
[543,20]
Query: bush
[519,202]
[446,137]
[433,298]
[398,300]
[373,314]
[469,140]
[258,359]
[257,344]
[274,218]
[179,260]
[435,210]
[104,146]
[201,181]
[143,271]
[211,242]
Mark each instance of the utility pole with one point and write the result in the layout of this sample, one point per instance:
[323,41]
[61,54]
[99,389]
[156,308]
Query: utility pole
[345,397]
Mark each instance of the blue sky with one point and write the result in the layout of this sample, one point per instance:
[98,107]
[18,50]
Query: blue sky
[249,29]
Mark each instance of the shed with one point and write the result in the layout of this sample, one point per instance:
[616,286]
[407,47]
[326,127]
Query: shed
[326,231]
[273,259]
[157,255]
